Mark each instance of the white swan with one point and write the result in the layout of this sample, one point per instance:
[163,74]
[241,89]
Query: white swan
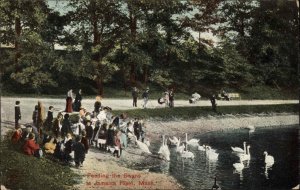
[185,153]
[202,148]
[192,142]
[211,153]
[238,166]
[246,156]
[174,140]
[239,150]
[179,148]
[269,160]
[250,127]
[141,145]
[164,149]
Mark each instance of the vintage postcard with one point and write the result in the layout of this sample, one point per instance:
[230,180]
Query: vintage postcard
[149,94]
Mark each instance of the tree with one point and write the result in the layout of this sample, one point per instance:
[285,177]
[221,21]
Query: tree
[98,26]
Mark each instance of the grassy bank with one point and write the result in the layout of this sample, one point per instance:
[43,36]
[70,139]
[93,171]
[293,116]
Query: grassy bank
[247,93]
[195,112]
[19,171]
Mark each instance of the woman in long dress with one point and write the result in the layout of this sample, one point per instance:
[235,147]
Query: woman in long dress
[69,101]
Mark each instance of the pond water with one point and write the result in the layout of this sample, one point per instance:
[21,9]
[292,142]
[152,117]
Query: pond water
[280,142]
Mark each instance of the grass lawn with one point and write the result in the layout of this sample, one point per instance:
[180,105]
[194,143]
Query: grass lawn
[195,112]
[19,171]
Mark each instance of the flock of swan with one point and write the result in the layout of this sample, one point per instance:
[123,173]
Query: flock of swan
[211,154]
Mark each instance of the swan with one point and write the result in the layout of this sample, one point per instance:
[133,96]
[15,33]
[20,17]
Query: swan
[202,148]
[269,160]
[215,186]
[192,142]
[211,154]
[239,166]
[246,156]
[174,141]
[250,127]
[164,149]
[179,148]
[142,145]
[186,154]
[239,150]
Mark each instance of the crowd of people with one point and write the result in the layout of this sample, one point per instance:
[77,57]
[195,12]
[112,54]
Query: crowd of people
[76,132]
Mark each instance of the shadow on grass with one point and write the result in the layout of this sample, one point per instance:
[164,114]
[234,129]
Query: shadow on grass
[19,171]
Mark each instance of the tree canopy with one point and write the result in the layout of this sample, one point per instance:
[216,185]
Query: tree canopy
[141,43]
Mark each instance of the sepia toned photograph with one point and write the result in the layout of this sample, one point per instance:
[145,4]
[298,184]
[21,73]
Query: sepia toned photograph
[149,94]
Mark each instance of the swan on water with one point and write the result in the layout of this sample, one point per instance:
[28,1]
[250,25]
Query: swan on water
[164,149]
[238,166]
[192,142]
[202,147]
[269,160]
[185,153]
[179,148]
[246,156]
[174,140]
[238,149]
[211,153]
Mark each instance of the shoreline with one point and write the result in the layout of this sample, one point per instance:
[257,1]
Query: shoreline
[99,162]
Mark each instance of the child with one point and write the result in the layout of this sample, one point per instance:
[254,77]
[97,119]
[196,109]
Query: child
[30,147]
[117,143]
[89,132]
[79,152]
[85,142]
[17,135]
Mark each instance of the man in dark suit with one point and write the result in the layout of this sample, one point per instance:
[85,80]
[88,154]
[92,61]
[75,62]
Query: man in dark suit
[17,113]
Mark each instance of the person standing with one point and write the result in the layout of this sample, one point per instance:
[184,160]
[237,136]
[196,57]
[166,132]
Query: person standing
[69,101]
[89,132]
[213,103]
[40,118]
[145,96]
[166,99]
[77,101]
[17,113]
[49,120]
[97,105]
[135,93]
[57,125]
[171,98]
[79,151]
[66,126]
[35,115]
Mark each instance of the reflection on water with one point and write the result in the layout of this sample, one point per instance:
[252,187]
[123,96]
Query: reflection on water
[281,143]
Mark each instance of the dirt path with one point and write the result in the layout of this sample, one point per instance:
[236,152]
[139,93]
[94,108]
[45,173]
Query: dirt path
[27,105]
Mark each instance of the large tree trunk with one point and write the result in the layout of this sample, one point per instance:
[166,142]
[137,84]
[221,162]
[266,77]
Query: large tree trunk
[18,30]
[145,74]
[100,88]
[133,28]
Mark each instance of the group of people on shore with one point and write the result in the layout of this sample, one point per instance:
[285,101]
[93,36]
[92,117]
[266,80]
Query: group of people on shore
[76,132]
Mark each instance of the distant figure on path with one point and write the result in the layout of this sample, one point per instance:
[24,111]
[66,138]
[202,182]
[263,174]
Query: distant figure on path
[77,102]
[166,99]
[40,118]
[135,93]
[17,113]
[69,101]
[145,96]
[35,115]
[97,105]
[49,120]
[213,103]
[225,95]
[171,98]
